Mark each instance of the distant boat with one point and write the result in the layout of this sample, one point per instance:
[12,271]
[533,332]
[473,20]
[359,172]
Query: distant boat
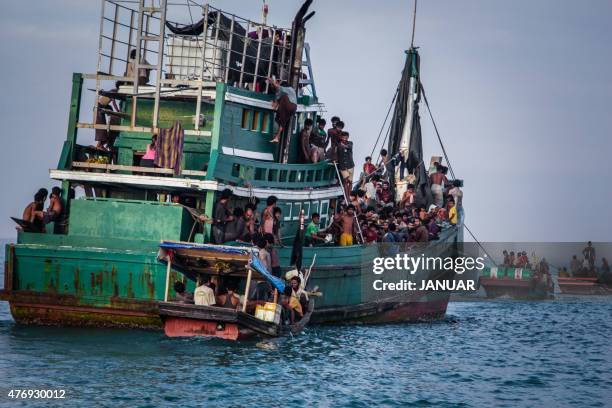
[515,283]
[583,286]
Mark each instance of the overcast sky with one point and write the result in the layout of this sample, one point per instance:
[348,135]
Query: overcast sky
[520,90]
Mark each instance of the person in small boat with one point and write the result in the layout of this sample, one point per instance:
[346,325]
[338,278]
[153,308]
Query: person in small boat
[312,236]
[605,275]
[563,273]
[267,221]
[348,226]
[285,105]
[227,297]
[222,216]
[291,305]
[574,265]
[204,294]
[506,261]
[148,159]
[182,295]
[589,254]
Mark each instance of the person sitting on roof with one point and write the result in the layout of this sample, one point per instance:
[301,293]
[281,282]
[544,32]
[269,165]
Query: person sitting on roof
[54,212]
[228,298]
[312,236]
[143,73]
[182,296]
[33,213]
[291,305]
[285,105]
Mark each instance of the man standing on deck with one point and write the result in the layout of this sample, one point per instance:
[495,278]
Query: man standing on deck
[348,226]
[589,254]
[346,165]
[221,217]
[333,135]
[305,142]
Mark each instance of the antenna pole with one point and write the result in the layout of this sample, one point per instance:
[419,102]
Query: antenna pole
[413,23]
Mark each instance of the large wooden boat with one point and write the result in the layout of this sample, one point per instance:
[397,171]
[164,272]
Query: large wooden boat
[100,268]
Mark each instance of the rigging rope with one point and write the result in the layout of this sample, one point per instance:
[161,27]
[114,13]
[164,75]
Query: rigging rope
[385,121]
[450,168]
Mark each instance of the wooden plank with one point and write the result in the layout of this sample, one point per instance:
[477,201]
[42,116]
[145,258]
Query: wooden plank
[119,167]
[141,129]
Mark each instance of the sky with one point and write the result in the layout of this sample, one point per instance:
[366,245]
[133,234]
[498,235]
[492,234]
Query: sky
[520,91]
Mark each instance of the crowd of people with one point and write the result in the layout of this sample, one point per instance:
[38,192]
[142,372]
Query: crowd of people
[214,291]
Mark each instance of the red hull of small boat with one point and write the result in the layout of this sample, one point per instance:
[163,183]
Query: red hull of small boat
[179,327]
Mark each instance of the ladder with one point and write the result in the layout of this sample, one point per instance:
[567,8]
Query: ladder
[310,80]
[142,37]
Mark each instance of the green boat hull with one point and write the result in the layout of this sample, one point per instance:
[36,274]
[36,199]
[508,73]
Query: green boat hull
[63,280]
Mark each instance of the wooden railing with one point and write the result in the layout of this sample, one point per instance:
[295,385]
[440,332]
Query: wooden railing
[241,171]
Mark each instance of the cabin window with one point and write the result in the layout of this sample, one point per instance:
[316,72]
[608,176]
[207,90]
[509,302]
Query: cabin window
[287,211]
[297,208]
[324,211]
[245,119]
[314,207]
[255,120]
[306,210]
[265,122]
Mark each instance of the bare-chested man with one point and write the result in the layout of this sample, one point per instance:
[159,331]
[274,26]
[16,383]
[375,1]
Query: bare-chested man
[55,206]
[437,180]
[348,226]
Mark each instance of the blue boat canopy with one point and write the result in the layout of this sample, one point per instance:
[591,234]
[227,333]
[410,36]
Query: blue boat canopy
[192,259]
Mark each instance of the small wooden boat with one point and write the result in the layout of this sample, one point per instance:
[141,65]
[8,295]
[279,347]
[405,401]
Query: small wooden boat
[515,283]
[583,286]
[189,320]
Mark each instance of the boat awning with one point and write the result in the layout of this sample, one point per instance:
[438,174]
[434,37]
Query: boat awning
[192,259]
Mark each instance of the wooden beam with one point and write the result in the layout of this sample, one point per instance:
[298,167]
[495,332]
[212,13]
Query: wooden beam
[141,129]
[139,169]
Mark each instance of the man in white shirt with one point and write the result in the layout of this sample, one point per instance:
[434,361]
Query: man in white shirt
[204,295]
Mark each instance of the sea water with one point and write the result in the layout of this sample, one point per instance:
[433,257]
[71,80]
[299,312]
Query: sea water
[484,353]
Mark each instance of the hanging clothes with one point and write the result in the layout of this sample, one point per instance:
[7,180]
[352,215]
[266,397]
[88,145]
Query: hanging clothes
[169,147]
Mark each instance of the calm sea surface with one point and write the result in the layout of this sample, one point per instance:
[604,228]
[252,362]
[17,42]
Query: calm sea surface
[505,353]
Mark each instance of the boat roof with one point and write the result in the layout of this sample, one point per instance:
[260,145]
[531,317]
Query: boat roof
[192,259]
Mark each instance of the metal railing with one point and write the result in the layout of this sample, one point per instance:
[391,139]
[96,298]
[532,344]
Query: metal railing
[209,46]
